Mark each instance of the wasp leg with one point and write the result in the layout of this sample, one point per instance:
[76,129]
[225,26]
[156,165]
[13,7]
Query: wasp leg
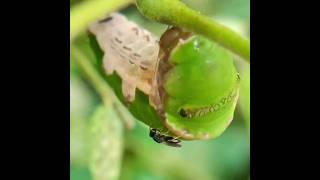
[170,141]
[173,144]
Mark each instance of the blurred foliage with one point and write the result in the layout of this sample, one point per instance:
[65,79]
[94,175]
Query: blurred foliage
[99,145]
[238,9]
[79,172]
[224,158]
[177,13]
[106,144]
[244,101]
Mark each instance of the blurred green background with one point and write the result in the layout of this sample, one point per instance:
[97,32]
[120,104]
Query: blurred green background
[101,147]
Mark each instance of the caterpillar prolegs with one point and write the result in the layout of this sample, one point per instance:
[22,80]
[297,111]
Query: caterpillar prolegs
[129,50]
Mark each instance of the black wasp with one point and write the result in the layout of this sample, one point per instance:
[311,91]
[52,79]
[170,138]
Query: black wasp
[161,138]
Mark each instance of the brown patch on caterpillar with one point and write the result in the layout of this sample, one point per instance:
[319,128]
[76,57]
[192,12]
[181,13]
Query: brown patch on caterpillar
[198,112]
[171,38]
[105,20]
[168,41]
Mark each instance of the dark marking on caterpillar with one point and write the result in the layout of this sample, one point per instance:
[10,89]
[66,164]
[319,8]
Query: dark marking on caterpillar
[143,68]
[183,113]
[105,20]
[127,48]
[145,63]
[147,38]
[136,30]
[132,57]
[238,76]
[131,61]
[137,55]
[198,112]
[118,41]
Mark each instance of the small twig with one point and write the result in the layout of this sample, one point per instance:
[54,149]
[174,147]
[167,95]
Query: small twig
[174,12]
[92,74]
[100,86]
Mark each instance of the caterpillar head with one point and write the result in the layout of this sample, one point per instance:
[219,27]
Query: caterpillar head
[195,88]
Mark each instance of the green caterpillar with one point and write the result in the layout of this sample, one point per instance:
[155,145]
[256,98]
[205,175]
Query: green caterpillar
[182,85]
[196,85]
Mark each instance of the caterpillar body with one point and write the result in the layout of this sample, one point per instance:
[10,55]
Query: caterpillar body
[129,50]
[191,82]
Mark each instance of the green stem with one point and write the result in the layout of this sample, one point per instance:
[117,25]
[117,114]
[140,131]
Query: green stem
[92,74]
[100,85]
[86,12]
[174,12]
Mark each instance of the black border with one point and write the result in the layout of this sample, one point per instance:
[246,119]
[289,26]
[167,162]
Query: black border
[36,66]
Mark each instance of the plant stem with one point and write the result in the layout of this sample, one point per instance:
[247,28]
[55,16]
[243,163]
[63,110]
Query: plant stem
[174,12]
[88,11]
[101,86]
[94,77]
